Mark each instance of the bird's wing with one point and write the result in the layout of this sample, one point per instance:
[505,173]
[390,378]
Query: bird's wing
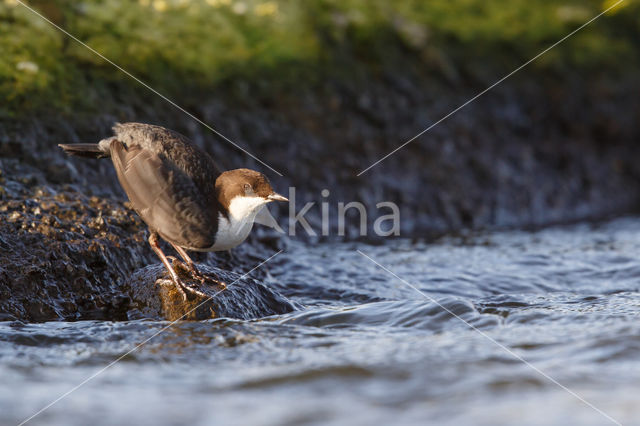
[174,147]
[164,196]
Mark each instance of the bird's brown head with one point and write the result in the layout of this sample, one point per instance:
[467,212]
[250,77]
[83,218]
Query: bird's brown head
[247,184]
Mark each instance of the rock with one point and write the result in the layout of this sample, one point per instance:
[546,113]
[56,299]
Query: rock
[154,295]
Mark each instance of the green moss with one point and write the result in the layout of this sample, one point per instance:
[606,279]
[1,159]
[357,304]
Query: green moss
[191,45]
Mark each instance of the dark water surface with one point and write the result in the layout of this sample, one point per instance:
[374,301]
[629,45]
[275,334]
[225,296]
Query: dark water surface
[366,348]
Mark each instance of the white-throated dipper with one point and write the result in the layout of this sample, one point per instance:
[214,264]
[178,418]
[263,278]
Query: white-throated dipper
[178,191]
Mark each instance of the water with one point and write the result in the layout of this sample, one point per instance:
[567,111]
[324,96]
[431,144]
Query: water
[366,348]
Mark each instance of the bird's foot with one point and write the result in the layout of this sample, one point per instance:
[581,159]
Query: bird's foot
[207,279]
[192,272]
[194,292]
[181,288]
[179,266]
[189,292]
[182,269]
[211,280]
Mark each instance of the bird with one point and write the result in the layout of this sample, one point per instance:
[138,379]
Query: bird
[179,192]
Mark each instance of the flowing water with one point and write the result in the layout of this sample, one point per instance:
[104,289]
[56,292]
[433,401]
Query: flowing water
[367,348]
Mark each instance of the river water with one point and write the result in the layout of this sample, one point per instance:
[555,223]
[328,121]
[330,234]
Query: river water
[367,348]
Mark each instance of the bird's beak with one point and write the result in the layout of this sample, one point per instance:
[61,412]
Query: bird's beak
[277,197]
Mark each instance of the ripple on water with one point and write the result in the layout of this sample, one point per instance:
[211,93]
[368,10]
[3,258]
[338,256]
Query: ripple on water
[365,347]
[418,314]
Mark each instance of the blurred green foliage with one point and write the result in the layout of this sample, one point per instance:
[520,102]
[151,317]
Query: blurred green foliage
[182,45]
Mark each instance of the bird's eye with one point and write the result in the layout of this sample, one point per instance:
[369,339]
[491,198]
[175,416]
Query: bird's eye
[247,187]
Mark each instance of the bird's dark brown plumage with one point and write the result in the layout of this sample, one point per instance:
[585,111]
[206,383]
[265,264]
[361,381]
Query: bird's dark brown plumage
[165,196]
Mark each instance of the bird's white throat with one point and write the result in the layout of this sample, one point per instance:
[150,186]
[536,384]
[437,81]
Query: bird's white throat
[234,230]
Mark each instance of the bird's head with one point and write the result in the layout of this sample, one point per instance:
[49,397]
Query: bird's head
[243,192]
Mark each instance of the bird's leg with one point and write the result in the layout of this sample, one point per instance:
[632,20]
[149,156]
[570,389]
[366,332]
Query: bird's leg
[194,269]
[153,242]
[191,265]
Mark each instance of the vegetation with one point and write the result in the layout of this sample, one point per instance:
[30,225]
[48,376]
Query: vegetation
[193,45]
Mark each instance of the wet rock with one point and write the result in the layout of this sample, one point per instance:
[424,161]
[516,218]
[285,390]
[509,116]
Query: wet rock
[154,295]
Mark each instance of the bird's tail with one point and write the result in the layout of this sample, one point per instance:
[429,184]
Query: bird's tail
[87,150]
